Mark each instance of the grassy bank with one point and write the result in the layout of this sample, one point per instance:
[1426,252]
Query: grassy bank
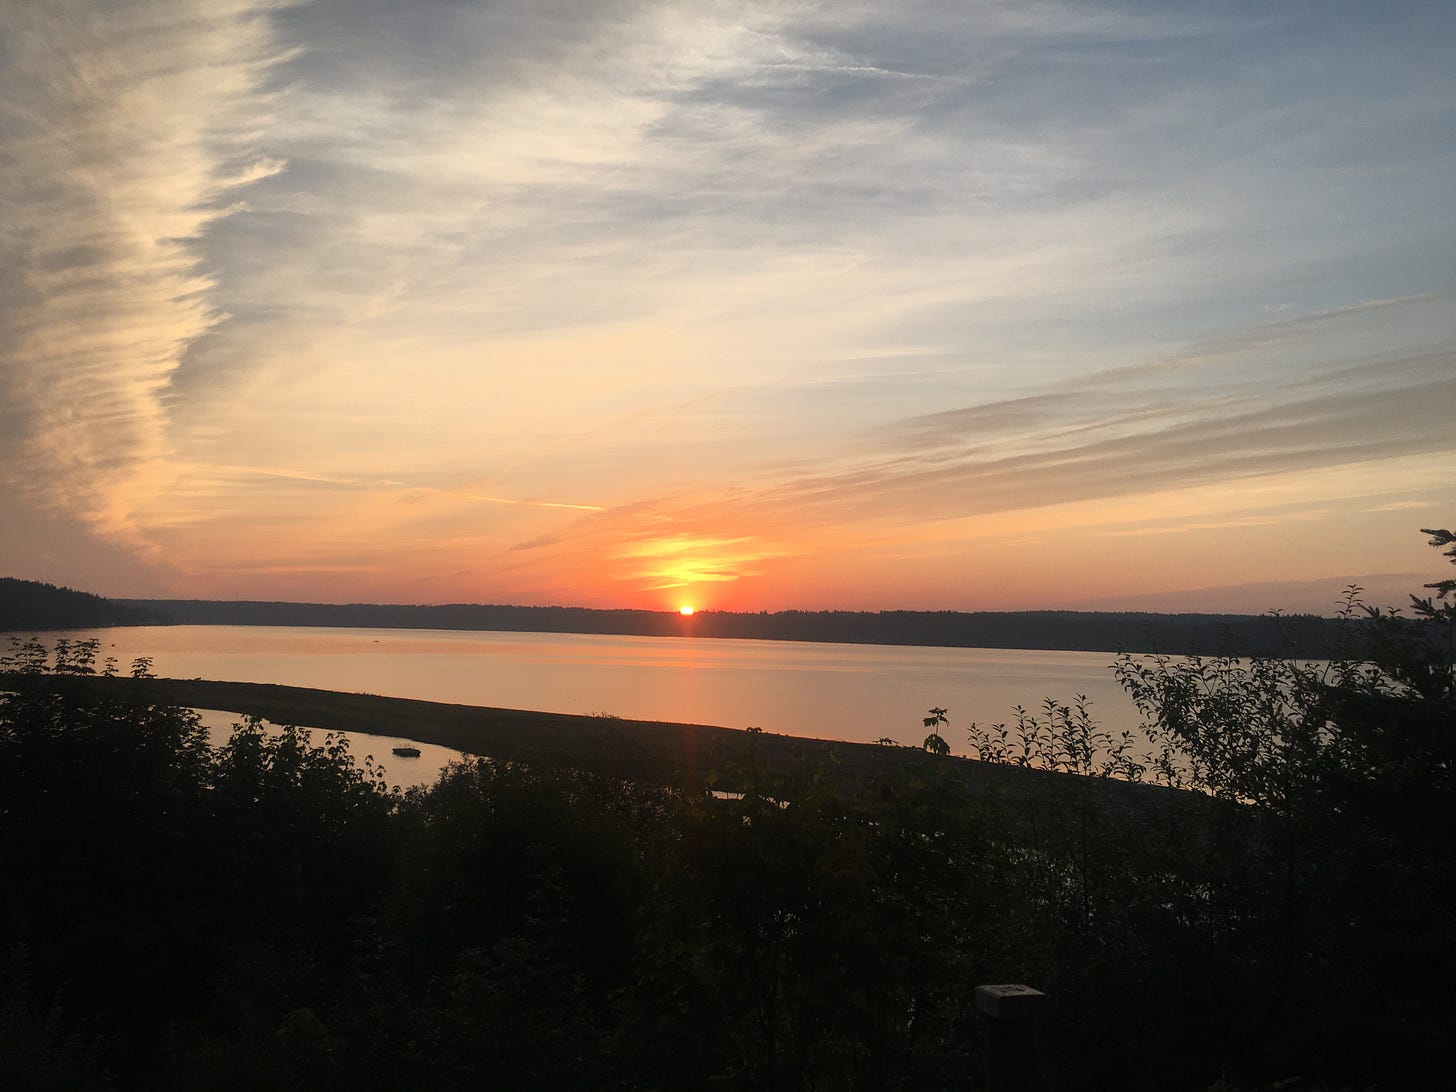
[656,751]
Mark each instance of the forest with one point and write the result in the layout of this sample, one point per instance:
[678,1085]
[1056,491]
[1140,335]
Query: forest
[33,605]
[1275,910]
[27,605]
[1090,631]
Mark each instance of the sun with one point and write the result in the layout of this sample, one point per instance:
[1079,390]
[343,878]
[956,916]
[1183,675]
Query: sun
[685,610]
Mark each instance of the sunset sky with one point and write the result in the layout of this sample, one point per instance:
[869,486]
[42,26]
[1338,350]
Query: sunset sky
[749,306]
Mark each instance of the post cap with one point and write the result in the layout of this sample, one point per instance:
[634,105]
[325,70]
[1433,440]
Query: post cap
[1011,1001]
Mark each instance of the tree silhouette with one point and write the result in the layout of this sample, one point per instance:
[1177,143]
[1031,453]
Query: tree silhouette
[935,743]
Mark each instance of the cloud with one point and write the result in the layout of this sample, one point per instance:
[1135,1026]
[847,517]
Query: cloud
[767,276]
[1403,506]
[538,503]
[124,130]
[1272,403]
[1073,455]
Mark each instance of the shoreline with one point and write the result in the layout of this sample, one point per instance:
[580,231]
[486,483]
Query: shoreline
[1138,632]
[659,751]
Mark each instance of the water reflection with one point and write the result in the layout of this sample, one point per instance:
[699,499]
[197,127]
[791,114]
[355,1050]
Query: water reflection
[403,772]
[829,691]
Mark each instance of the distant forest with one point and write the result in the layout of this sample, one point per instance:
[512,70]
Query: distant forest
[1300,635]
[27,605]
[31,605]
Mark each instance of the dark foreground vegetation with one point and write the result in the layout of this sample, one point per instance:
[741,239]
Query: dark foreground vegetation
[268,915]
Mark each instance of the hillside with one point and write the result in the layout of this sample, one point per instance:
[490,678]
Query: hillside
[32,605]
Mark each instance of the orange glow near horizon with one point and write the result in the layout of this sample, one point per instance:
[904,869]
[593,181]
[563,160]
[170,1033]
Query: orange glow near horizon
[870,401]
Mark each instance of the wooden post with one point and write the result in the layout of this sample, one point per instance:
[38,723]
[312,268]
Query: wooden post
[1012,1012]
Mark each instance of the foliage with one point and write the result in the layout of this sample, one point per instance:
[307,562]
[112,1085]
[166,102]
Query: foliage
[1320,874]
[935,743]
[1063,739]
[266,913]
[803,938]
[39,1048]
[1439,537]
[137,854]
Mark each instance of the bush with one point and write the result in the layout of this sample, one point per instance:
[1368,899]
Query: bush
[268,913]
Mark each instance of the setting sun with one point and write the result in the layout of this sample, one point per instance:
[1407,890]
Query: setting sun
[685,610]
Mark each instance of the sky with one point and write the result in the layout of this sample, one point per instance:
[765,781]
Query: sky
[924,305]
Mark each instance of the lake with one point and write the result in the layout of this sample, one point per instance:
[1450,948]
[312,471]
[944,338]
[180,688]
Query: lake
[829,691]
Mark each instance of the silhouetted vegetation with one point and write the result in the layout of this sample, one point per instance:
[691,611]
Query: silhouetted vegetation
[31,605]
[267,914]
[1067,630]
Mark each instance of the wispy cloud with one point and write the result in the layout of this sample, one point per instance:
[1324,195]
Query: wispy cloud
[515,288]
[125,131]
[1207,417]
[538,503]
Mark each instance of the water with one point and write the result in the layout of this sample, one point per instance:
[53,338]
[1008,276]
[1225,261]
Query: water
[828,691]
[400,771]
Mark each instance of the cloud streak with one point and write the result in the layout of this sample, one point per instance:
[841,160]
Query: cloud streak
[1209,417]
[124,132]
[522,289]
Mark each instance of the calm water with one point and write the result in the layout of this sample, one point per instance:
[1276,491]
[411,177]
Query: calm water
[829,691]
[404,772]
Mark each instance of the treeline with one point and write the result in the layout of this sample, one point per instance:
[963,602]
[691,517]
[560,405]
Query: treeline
[32,605]
[1302,635]
[27,605]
